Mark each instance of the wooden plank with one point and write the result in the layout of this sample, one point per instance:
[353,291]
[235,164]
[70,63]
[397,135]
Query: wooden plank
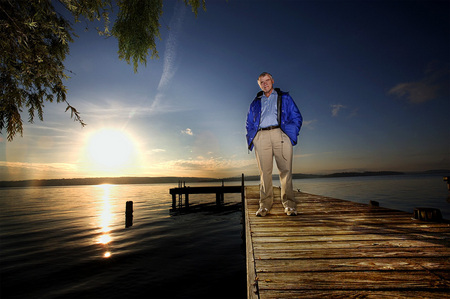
[362,238]
[383,252]
[351,280]
[350,264]
[267,230]
[340,249]
[345,294]
[252,285]
[357,245]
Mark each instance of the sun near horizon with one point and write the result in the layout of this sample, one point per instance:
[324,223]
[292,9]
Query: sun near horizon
[109,151]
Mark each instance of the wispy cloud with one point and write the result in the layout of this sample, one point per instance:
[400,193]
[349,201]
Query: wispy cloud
[430,87]
[116,110]
[336,108]
[309,123]
[187,132]
[415,92]
[208,164]
[170,54]
[157,150]
[39,166]
[113,107]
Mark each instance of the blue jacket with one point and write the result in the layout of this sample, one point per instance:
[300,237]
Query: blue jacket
[289,117]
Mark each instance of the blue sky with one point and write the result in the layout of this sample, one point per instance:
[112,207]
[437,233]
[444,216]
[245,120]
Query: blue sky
[371,79]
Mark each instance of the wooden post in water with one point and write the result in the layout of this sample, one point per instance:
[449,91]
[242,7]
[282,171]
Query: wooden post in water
[243,208]
[180,196]
[242,189]
[129,214]
[186,200]
[218,198]
[174,201]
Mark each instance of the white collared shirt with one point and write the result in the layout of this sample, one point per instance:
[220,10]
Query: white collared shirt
[269,110]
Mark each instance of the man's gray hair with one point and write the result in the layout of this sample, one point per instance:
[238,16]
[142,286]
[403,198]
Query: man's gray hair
[265,74]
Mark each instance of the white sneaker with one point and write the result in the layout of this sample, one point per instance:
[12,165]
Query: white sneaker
[290,211]
[262,212]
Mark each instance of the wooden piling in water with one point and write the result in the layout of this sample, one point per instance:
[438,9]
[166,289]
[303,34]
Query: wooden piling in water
[129,214]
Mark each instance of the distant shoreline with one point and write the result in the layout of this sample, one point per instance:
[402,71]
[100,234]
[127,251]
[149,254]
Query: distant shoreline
[176,180]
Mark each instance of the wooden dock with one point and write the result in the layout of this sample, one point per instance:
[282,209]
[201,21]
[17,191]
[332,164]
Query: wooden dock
[340,249]
[218,190]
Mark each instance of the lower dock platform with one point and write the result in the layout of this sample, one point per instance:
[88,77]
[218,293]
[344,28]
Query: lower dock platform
[340,249]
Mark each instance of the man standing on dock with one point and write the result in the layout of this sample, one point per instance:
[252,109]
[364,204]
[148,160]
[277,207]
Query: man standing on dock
[273,124]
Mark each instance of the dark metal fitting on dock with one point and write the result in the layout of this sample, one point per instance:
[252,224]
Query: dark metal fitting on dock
[428,214]
[374,203]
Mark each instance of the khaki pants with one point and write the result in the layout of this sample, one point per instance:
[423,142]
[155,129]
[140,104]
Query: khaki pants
[269,144]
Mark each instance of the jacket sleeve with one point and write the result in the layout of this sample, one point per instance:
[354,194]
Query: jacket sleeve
[252,124]
[293,120]
[247,127]
[296,117]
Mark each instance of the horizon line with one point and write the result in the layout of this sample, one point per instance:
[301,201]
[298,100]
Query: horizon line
[170,179]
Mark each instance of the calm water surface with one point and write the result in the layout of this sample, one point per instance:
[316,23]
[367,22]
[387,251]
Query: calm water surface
[400,192]
[72,242]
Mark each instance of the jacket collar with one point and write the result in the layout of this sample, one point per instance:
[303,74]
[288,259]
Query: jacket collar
[260,93]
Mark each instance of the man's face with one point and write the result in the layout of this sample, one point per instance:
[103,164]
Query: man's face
[266,83]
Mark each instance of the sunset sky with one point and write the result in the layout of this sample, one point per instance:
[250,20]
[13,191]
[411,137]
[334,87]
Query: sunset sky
[371,79]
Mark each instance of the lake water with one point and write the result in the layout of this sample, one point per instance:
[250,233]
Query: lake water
[400,192]
[72,242]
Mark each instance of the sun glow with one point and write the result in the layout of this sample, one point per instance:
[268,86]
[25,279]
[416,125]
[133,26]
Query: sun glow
[110,149]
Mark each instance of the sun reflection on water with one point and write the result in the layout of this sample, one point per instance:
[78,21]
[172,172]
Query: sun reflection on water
[105,219]
[105,239]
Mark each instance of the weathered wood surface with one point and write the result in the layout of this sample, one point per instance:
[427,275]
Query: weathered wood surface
[340,249]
